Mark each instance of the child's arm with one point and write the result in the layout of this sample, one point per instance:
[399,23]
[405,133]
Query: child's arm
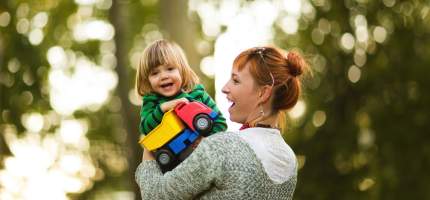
[220,124]
[166,106]
[152,112]
[201,95]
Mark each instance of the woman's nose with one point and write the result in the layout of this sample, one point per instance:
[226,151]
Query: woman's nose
[225,89]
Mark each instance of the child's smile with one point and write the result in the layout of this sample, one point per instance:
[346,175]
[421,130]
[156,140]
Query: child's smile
[165,80]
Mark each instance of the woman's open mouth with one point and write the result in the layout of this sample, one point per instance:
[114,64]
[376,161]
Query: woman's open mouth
[232,103]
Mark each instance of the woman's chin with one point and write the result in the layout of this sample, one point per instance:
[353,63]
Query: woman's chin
[231,115]
[232,118]
[236,119]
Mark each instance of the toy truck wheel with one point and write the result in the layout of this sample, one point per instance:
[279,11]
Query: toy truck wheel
[203,124]
[164,156]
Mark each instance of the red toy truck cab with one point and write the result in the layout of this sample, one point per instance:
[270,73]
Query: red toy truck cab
[197,116]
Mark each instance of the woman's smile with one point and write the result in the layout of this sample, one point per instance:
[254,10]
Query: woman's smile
[242,95]
[231,102]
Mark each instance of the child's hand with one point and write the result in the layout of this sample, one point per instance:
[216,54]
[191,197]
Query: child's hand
[166,106]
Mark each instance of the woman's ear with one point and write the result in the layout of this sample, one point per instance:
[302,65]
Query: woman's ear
[265,93]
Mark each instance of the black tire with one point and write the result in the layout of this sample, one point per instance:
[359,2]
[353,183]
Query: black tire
[164,157]
[203,124]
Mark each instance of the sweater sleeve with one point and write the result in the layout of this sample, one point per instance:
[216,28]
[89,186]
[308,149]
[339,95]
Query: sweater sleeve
[150,114]
[201,95]
[192,177]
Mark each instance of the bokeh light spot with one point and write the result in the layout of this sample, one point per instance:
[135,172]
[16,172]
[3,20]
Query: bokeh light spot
[347,41]
[298,110]
[379,34]
[354,74]
[36,36]
[33,122]
[40,20]
[4,19]
[319,118]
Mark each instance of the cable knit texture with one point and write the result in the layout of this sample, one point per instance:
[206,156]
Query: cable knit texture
[224,166]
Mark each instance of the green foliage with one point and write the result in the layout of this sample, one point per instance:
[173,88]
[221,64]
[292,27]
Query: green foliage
[373,142]
[24,87]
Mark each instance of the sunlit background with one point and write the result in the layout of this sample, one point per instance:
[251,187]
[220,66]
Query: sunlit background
[69,112]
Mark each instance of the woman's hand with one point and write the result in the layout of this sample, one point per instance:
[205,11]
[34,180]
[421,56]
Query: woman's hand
[197,142]
[147,155]
[166,106]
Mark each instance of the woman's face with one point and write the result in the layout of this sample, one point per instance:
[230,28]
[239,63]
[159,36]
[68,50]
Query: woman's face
[242,92]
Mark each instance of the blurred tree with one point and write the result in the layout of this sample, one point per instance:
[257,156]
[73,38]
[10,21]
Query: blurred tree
[26,75]
[24,85]
[119,18]
[369,60]
[363,135]
[177,25]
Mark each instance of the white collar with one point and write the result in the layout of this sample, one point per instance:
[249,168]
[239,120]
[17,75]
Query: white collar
[277,158]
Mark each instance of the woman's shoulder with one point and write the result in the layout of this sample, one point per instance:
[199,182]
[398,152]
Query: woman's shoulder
[223,142]
[232,146]
[223,138]
[266,138]
[276,156]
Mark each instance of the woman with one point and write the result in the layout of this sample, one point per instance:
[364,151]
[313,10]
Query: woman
[253,163]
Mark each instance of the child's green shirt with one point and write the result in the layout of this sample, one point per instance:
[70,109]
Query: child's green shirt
[151,113]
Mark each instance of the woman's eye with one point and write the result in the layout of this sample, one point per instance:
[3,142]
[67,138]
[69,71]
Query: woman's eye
[235,81]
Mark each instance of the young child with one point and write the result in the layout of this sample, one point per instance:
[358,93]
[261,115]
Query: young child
[165,79]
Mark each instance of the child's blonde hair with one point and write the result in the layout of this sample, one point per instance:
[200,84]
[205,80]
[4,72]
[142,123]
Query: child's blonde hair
[163,52]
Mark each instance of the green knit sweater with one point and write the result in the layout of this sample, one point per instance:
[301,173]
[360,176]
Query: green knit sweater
[224,166]
[151,113]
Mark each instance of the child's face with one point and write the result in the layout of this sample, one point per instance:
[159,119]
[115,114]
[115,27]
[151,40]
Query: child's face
[165,80]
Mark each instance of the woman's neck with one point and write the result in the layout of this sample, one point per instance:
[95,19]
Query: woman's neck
[272,121]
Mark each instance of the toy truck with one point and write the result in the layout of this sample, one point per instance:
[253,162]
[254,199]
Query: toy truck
[178,129]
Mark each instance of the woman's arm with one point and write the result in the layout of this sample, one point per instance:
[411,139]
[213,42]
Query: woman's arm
[193,176]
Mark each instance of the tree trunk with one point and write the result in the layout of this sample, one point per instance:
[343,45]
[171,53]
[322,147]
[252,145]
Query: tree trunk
[179,28]
[119,19]
[4,149]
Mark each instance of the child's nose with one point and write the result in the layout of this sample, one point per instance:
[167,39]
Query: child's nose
[164,75]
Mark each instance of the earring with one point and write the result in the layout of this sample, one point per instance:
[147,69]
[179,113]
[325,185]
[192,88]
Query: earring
[261,111]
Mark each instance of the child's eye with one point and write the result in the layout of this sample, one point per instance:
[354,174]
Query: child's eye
[153,73]
[170,68]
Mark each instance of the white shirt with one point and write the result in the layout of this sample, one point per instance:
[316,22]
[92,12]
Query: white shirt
[276,156]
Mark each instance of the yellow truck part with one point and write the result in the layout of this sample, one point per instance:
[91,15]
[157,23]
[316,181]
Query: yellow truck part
[169,127]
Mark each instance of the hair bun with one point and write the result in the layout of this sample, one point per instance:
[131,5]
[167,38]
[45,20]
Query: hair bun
[295,63]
